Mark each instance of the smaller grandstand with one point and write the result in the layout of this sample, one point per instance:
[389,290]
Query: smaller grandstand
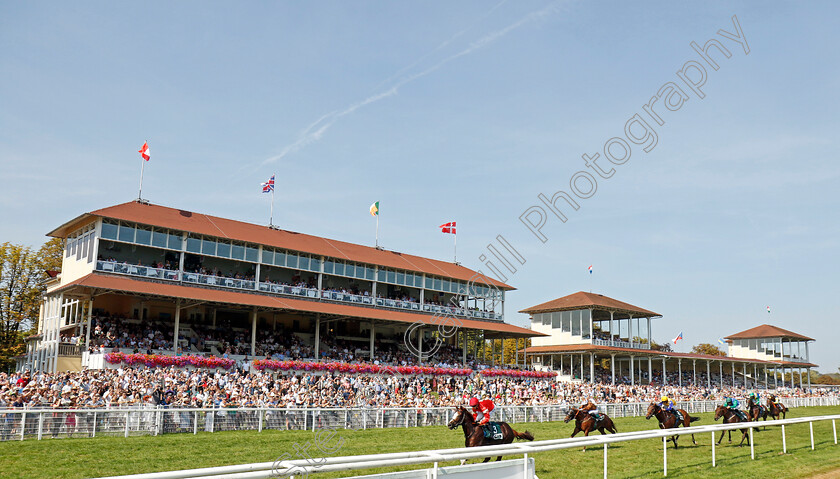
[582,330]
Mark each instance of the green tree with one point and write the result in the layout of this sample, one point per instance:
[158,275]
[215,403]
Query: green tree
[22,273]
[51,254]
[708,349]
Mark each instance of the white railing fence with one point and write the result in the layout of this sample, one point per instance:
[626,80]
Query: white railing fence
[20,424]
[305,466]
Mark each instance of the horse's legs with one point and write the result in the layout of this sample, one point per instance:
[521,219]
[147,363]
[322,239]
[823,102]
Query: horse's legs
[577,430]
[486,459]
[722,433]
[463,461]
[498,458]
[744,436]
[692,440]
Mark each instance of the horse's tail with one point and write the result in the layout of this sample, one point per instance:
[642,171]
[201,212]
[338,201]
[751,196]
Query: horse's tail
[523,435]
[692,419]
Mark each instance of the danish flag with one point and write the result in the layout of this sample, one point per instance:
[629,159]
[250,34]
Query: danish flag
[448,227]
[144,151]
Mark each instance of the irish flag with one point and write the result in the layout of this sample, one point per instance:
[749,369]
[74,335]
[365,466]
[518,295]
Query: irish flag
[374,209]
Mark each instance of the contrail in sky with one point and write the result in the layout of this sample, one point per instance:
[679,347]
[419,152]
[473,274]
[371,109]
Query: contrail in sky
[316,130]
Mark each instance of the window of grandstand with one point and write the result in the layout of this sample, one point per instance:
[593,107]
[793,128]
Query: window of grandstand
[131,233]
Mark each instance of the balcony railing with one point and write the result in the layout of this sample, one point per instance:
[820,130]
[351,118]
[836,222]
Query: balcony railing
[219,281]
[137,270]
[289,290]
[620,344]
[312,293]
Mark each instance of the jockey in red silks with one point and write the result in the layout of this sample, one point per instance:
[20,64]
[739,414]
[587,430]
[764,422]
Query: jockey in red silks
[482,410]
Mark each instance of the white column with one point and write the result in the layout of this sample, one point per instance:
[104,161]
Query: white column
[708,374]
[254,333]
[177,325]
[317,336]
[372,338]
[612,333]
[612,363]
[632,379]
[464,354]
[89,323]
[581,366]
[679,371]
[664,373]
[592,367]
[492,352]
[650,370]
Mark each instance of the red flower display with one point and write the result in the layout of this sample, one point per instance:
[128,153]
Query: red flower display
[360,368]
[514,373]
[163,361]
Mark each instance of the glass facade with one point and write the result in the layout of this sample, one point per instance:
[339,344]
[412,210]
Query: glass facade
[214,247]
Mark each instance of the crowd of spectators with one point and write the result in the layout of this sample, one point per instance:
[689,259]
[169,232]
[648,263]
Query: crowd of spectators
[129,386]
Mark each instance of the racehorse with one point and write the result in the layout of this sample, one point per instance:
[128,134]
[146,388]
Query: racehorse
[474,434]
[669,420]
[586,422]
[776,409]
[756,411]
[730,417]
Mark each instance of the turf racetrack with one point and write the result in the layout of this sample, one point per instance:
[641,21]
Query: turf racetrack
[103,456]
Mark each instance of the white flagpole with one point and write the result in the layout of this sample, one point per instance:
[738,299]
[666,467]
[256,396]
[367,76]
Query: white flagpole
[271,216]
[142,167]
[377,228]
[456,246]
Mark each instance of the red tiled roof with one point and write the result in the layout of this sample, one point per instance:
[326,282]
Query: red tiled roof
[198,223]
[576,348]
[582,300]
[768,331]
[129,285]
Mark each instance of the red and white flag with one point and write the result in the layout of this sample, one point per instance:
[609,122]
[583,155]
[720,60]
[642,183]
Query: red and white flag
[144,151]
[448,227]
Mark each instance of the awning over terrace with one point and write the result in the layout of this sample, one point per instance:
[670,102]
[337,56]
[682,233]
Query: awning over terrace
[96,283]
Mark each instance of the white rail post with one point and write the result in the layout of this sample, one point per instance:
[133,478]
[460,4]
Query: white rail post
[752,446]
[525,465]
[435,471]
[260,415]
[665,455]
[94,424]
[784,441]
[713,450]
[40,425]
[22,424]
[605,460]
[834,427]
[811,426]
[126,423]
[195,424]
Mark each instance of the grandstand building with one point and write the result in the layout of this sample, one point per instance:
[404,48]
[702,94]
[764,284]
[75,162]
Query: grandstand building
[182,274]
[582,328]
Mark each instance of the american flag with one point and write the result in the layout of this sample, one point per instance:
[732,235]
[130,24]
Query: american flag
[268,186]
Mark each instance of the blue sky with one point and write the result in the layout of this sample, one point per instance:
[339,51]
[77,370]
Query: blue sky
[459,111]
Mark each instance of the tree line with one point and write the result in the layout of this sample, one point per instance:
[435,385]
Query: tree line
[23,275]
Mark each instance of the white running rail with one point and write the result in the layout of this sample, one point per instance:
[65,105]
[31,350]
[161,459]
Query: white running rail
[304,467]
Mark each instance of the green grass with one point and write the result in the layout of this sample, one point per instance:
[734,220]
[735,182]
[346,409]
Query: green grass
[80,458]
